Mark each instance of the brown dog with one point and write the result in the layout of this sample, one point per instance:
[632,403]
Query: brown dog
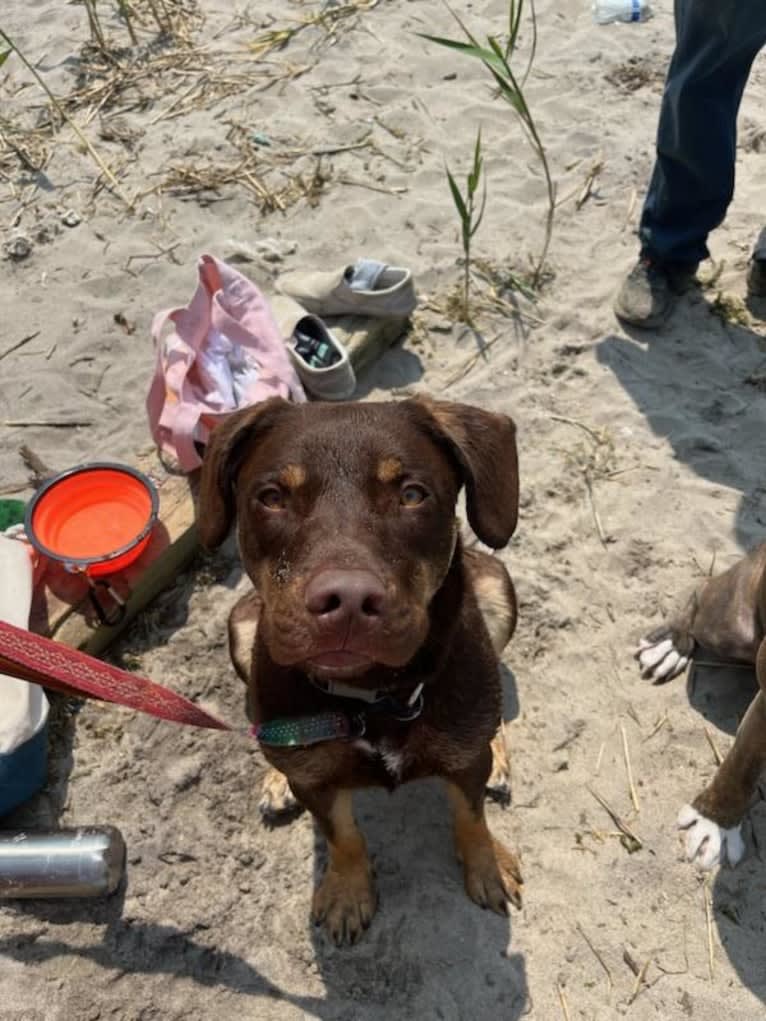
[371,661]
[726,615]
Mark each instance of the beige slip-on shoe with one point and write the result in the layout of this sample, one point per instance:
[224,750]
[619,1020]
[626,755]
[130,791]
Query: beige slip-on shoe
[320,359]
[368,288]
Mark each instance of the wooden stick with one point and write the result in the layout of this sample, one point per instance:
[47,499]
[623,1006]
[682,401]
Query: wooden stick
[40,470]
[18,344]
[32,424]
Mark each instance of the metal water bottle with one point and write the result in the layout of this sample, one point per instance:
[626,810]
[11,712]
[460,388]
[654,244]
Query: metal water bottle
[84,862]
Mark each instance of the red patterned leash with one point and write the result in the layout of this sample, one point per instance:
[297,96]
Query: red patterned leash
[30,657]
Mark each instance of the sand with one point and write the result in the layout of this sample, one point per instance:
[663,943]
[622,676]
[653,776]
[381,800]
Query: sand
[641,461]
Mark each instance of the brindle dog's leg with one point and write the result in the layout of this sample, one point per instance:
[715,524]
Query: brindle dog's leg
[491,873]
[712,822]
[345,898]
[722,615]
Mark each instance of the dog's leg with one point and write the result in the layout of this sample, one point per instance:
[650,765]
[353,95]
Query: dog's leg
[499,783]
[345,898]
[712,822]
[491,872]
[722,615]
[243,625]
[277,802]
[495,595]
[496,598]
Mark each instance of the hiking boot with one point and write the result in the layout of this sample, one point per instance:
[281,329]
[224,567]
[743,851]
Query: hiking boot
[648,293]
[756,278]
[756,271]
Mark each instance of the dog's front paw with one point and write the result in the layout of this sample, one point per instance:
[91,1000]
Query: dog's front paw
[278,803]
[659,656]
[492,877]
[345,902]
[708,844]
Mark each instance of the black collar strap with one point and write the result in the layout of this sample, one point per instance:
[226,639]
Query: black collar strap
[377,701]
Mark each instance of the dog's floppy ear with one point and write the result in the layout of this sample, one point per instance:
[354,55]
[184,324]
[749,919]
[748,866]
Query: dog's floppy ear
[484,445]
[222,461]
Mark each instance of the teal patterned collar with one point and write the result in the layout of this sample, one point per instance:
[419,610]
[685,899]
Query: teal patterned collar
[334,725]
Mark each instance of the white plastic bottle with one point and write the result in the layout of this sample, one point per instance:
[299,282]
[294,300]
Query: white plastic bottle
[607,11]
[23,706]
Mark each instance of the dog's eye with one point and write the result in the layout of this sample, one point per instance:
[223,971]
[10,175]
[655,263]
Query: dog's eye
[272,498]
[412,495]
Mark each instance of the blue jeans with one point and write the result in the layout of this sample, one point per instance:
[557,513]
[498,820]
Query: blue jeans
[693,179]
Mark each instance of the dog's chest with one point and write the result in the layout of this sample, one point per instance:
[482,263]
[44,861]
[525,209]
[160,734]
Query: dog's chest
[392,757]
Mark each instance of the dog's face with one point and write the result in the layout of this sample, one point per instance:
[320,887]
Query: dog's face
[346,519]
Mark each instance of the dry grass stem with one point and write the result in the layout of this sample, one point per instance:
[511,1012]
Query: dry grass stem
[594,511]
[563,1002]
[590,180]
[69,120]
[328,18]
[399,190]
[629,770]
[713,746]
[593,462]
[632,202]
[640,978]
[598,957]
[630,841]
[709,927]
[663,720]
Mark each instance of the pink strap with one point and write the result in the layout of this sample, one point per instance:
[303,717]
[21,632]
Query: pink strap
[30,657]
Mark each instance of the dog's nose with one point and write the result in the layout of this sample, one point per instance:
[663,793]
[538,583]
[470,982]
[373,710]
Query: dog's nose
[335,595]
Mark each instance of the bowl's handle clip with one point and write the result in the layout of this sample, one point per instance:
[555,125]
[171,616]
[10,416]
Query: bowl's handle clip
[109,617]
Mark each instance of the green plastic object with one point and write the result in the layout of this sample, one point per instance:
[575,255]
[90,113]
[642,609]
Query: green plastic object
[11,513]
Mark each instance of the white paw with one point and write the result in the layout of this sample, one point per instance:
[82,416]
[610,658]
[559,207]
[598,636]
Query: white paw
[277,800]
[707,843]
[660,660]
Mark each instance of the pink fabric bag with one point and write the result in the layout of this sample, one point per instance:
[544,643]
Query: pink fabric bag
[227,314]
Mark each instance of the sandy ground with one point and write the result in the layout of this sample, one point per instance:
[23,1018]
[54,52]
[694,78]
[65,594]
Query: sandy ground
[670,431]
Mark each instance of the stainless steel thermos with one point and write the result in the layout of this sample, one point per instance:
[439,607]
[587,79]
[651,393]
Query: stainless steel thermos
[84,862]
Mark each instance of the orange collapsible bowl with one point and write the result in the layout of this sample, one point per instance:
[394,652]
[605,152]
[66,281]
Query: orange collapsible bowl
[94,519]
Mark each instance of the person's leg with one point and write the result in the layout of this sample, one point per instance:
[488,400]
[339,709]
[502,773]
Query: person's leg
[693,178]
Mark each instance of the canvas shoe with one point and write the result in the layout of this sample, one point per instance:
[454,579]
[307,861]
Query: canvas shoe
[648,293]
[368,288]
[319,358]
